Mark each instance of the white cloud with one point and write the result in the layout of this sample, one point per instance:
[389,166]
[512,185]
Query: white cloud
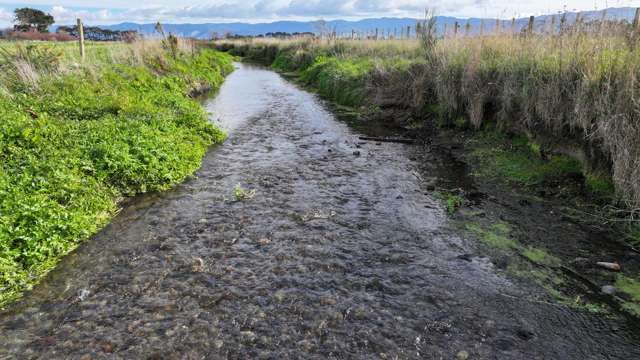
[113,11]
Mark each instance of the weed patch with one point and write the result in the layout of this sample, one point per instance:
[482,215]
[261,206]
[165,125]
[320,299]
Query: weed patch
[80,140]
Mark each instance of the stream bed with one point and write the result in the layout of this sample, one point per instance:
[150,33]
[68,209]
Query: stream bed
[337,251]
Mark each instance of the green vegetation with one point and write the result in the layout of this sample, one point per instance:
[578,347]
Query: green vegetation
[496,236]
[77,137]
[631,287]
[519,161]
[600,186]
[241,194]
[541,257]
[452,202]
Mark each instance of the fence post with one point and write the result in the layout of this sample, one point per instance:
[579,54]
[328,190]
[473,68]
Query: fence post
[467,29]
[81,38]
[498,29]
[513,26]
[482,27]
[636,20]
[455,29]
[532,19]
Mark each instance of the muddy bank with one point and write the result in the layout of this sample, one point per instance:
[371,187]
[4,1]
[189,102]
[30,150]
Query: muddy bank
[341,252]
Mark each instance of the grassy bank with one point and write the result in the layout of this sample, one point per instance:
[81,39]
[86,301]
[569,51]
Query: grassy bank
[78,136]
[572,94]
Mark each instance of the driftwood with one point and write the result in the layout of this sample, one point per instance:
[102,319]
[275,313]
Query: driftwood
[390,140]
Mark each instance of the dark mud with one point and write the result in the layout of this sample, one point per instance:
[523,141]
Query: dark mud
[341,253]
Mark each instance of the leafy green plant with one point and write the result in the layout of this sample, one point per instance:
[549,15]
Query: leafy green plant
[80,141]
[241,194]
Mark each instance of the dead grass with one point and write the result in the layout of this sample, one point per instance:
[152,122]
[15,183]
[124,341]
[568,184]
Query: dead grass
[580,87]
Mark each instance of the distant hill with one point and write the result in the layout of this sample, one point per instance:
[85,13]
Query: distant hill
[344,26]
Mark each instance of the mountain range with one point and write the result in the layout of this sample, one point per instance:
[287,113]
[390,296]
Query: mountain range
[208,30]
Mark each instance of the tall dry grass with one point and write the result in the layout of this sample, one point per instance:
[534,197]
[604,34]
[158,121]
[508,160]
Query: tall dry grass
[575,91]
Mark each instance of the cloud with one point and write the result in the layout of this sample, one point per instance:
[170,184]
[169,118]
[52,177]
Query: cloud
[180,11]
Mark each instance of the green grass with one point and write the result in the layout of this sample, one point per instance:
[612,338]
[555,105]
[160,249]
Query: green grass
[452,202]
[631,287]
[76,142]
[496,236]
[600,186]
[518,161]
[540,256]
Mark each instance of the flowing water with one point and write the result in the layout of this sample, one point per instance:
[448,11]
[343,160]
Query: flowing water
[340,253]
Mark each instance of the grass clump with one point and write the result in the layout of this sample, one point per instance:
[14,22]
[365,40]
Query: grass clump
[496,236]
[516,160]
[241,194]
[600,186]
[451,201]
[631,287]
[540,256]
[76,138]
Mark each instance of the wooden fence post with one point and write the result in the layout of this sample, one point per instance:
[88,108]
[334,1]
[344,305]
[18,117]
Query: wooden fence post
[482,27]
[467,29]
[81,38]
[513,26]
[408,32]
[636,20]
[455,29]
[532,19]
[498,29]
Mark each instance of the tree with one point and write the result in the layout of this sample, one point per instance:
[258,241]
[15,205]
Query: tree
[32,19]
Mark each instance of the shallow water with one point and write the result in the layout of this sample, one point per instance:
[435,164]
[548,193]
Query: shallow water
[341,253]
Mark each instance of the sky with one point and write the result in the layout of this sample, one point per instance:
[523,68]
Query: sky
[201,11]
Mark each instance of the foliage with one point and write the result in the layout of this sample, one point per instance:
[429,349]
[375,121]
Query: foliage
[241,194]
[497,236]
[83,138]
[28,18]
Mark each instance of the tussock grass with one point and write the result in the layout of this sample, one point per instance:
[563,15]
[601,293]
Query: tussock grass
[77,136]
[576,90]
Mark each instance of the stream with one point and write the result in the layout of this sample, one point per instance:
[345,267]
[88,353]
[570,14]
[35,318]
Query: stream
[338,252]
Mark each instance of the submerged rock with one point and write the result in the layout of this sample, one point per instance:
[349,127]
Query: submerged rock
[608,289]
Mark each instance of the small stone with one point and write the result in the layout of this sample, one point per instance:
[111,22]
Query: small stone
[106,347]
[356,153]
[462,355]
[84,294]
[306,345]
[202,221]
[613,266]
[280,295]
[248,335]
[465,257]
[197,265]
[218,343]
[608,289]
[328,300]
[264,241]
